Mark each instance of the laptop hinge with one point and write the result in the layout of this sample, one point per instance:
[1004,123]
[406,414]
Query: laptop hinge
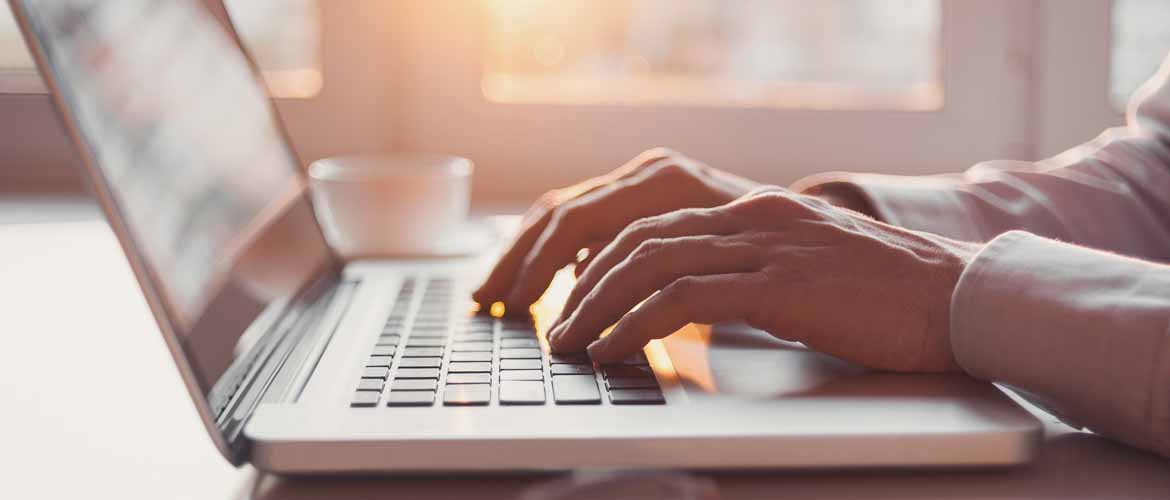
[281,361]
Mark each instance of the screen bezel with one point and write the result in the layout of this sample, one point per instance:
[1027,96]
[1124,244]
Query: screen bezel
[160,306]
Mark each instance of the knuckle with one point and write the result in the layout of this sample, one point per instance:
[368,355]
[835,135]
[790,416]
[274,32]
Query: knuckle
[672,169]
[639,228]
[772,201]
[682,288]
[646,159]
[566,216]
[659,152]
[545,204]
[647,250]
[548,200]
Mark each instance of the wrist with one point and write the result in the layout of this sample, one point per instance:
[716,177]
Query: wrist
[959,254]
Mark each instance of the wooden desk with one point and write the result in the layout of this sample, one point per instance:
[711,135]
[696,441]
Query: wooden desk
[93,407]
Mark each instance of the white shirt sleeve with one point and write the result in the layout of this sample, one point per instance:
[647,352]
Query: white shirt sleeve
[1086,332]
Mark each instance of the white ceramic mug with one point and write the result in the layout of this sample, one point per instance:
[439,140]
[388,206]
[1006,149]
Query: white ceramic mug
[384,205]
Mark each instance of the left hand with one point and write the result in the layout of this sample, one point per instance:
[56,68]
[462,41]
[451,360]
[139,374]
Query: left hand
[792,265]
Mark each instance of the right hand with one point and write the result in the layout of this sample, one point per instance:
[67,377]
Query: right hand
[591,213]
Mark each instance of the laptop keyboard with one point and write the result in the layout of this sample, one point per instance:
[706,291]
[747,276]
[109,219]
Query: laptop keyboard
[428,354]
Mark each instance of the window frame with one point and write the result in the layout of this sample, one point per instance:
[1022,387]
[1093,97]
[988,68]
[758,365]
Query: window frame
[1074,54]
[986,45]
[405,76]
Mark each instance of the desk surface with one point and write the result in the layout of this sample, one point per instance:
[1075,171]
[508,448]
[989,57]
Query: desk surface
[93,407]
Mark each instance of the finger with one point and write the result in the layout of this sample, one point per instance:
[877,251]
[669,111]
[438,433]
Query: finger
[655,264]
[501,279]
[599,216]
[688,222]
[692,299]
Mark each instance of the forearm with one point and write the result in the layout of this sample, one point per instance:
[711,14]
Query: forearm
[1112,193]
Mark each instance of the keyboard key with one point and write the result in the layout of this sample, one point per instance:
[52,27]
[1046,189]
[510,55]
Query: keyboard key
[376,372]
[520,364]
[420,362]
[521,392]
[572,369]
[562,358]
[414,384]
[520,343]
[379,361]
[519,353]
[636,397]
[473,367]
[473,337]
[370,384]
[477,329]
[411,398]
[627,371]
[472,346]
[383,350]
[631,383]
[471,356]
[416,373]
[516,322]
[469,378]
[422,352]
[522,375]
[365,399]
[428,334]
[575,389]
[518,334]
[422,323]
[426,342]
[389,340]
[467,394]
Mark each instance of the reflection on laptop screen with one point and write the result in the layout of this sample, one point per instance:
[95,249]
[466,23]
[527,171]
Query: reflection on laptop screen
[186,142]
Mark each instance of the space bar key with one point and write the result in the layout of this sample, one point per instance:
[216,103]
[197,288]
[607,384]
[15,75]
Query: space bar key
[575,389]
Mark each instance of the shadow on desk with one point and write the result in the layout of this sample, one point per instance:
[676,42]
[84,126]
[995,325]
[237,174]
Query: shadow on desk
[1072,465]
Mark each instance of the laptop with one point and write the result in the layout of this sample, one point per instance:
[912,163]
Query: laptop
[300,362]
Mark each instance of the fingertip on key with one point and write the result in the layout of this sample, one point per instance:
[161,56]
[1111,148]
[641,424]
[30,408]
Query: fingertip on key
[482,295]
[596,350]
[554,336]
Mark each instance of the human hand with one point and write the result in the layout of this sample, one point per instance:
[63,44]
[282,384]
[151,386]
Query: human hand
[591,213]
[792,265]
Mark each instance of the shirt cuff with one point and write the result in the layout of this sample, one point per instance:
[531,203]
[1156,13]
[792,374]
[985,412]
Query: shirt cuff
[1081,332]
[921,203]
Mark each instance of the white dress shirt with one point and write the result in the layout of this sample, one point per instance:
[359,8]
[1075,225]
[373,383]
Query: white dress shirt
[1069,301]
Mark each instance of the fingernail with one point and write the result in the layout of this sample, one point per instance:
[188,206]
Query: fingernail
[554,335]
[596,348]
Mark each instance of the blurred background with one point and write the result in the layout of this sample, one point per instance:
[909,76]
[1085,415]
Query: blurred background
[540,93]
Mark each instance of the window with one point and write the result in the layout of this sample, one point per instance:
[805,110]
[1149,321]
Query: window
[834,54]
[1141,40]
[17,74]
[283,36]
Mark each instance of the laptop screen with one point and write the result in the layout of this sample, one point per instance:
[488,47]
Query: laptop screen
[195,164]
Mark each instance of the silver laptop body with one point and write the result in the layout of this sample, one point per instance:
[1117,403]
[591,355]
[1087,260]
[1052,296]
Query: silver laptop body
[299,362]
